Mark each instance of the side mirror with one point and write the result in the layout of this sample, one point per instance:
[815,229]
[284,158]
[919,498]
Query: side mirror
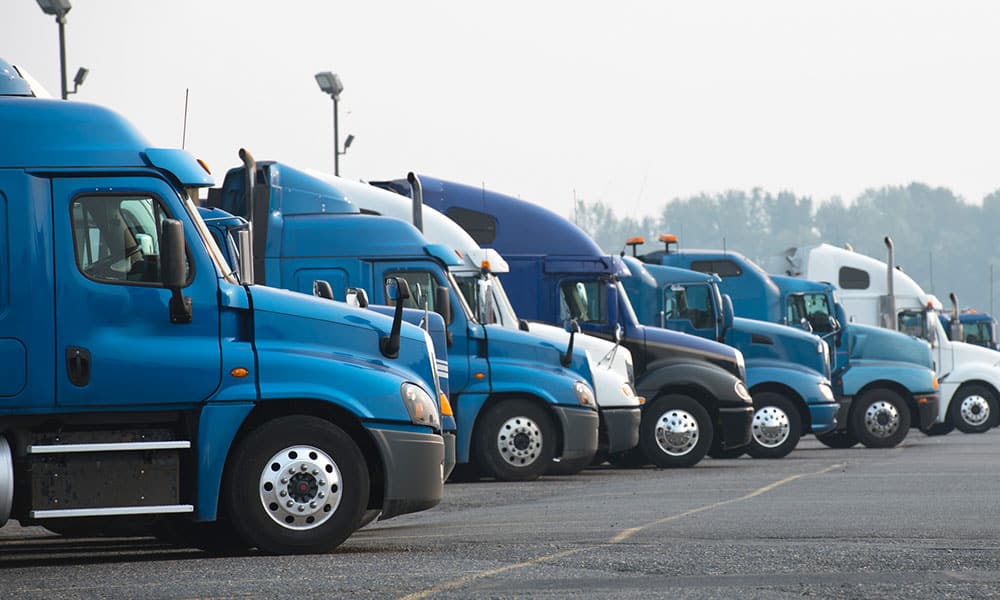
[834,325]
[173,269]
[357,297]
[322,289]
[619,333]
[573,328]
[244,244]
[805,325]
[522,324]
[398,290]
[419,297]
[442,304]
[728,313]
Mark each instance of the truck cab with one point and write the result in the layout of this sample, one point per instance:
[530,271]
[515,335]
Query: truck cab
[697,397]
[788,370]
[970,374]
[979,329]
[143,381]
[519,402]
[883,380]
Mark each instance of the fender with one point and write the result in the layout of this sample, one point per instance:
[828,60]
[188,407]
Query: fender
[674,373]
[803,382]
[217,426]
[554,385]
[916,379]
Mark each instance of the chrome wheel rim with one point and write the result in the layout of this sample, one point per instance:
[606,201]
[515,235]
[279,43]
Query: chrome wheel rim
[975,410]
[300,487]
[882,419]
[519,441]
[677,432]
[771,427]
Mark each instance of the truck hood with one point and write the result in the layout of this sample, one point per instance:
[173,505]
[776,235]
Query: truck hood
[535,351]
[971,353]
[692,346]
[874,343]
[763,340]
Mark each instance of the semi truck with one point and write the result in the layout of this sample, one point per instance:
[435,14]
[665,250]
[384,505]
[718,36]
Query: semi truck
[883,380]
[697,400]
[877,293]
[610,364]
[142,380]
[788,369]
[519,401]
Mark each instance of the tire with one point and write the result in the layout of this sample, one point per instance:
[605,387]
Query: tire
[328,490]
[776,426]
[515,441]
[973,408]
[630,459]
[675,432]
[939,428]
[837,439]
[880,418]
[214,537]
[568,467]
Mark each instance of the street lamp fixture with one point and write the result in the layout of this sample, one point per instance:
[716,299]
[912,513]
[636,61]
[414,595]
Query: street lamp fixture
[330,84]
[59,8]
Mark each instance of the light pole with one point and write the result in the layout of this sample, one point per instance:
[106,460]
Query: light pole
[59,8]
[330,84]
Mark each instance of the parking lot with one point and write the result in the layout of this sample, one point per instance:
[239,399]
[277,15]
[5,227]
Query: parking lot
[917,521]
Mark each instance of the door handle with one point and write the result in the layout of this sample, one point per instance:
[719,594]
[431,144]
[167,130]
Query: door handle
[78,365]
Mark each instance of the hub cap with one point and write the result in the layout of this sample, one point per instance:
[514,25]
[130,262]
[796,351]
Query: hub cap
[300,487]
[975,410]
[882,419]
[676,432]
[519,441]
[770,427]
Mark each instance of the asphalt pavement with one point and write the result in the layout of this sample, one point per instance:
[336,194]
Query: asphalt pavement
[917,521]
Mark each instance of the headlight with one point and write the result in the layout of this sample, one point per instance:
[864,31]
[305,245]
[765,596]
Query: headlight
[627,390]
[826,391]
[420,405]
[741,365]
[584,395]
[742,392]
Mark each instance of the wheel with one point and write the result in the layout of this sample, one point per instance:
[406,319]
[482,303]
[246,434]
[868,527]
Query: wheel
[675,431]
[940,428]
[568,467]
[630,459]
[973,408]
[837,439]
[515,441]
[776,426]
[880,418]
[296,485]
[214,537]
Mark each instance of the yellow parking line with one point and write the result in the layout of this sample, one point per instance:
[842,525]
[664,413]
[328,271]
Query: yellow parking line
[617,539]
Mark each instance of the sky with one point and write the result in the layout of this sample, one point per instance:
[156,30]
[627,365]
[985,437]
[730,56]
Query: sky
[629,103]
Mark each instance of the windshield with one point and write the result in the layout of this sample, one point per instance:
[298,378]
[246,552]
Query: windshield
[213,249]
[814,308]
[491,295]
[981,332]
[912,322]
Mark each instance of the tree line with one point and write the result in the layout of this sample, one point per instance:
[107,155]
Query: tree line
[944,243]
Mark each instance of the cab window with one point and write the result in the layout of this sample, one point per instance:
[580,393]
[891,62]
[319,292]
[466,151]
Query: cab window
[116,239]
[814,308]
[913,323]
[690,302]
[585,301]
[423,288]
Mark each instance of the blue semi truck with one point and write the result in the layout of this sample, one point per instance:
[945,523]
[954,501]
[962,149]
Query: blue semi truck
[884,379]
[788,370]
[519,401]
[141,380]
[698,402]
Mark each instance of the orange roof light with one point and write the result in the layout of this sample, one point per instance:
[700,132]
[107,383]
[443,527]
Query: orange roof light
[485,266]
[635,240]
[668,238]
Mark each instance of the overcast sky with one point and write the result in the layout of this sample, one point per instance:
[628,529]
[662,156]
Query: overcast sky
[632,103]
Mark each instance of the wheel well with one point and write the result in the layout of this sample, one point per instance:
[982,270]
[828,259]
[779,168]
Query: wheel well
[985,384]
[495,399]
[896,387]
[341,417]
[787,392]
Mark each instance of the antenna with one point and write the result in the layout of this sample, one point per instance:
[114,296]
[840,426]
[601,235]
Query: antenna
[184,131]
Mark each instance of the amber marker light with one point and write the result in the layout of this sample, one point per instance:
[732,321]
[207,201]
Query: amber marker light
[445,406]
[239,372]
[204,165]
[936,382]
[668,238]
[480,375]
[635,240]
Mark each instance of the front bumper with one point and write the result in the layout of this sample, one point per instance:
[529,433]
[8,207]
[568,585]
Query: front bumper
[579,432]
[824,417]
[414,464]
[927,409]
[843,411]
[733,426]
[619,429]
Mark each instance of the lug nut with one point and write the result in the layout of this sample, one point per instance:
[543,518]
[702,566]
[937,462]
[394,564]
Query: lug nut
[289,504]
[304,467]
[312,504]
[282,493]
[315,471]
[284,480]
[322,482]
[321,495]
[302,508]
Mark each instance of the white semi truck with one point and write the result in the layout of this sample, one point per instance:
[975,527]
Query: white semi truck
[875,293]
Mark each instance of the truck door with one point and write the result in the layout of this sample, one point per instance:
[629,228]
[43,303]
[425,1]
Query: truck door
[689,308]
[115,343]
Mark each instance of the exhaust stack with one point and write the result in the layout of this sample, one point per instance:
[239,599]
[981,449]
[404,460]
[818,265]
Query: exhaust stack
[888,303]
[417,193]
